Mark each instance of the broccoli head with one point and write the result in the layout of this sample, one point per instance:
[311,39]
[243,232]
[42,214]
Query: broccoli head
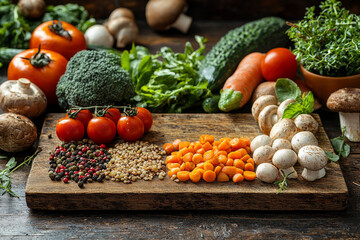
[94,78]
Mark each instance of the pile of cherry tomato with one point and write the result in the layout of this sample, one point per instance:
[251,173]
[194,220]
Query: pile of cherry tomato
[102,128]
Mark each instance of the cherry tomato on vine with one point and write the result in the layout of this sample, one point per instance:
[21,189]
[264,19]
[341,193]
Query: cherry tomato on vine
[279,63]
[84,116]
[101,130]
[58,36]
[145,117]
[42,67]
[130,128]
[114,114]
[68,129]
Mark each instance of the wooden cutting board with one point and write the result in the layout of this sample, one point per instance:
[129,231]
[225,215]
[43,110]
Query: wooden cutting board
[328,193]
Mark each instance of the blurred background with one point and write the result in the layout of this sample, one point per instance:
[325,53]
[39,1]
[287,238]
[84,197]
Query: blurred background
[213,9]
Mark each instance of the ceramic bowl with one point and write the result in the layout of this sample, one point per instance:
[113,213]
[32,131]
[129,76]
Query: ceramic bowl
[323,86]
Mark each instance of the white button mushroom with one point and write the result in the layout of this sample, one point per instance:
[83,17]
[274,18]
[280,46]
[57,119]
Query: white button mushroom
[281,143]
[302,139]
[267,118]
[263,154]
[306,122]
[164,14]
[283,106]
[266,172]
[99,35]
[346,101]
[285,128]
[261,103]
[259,141]
[313,159]
[285,159]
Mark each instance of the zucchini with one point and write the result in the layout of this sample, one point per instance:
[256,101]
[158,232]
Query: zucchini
[257,36]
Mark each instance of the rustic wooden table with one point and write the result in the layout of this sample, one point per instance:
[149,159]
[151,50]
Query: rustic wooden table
[17,221]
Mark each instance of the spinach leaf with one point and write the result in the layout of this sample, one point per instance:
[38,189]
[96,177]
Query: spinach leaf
[286,88]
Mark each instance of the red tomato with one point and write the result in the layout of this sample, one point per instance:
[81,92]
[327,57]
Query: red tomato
[145,117]
[66,41]
[279,63]
[68,129]
[84,116]
[101,130]
[114,114]
[130,128]
[44,76]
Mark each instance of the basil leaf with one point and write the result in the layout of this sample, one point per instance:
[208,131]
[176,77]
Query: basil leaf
[308,103]
[346,150]
[337,143]
[292,110]
[286,88]
[332,156]
[125,60]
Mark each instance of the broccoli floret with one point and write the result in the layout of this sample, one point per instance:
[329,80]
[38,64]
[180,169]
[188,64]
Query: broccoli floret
[94,78]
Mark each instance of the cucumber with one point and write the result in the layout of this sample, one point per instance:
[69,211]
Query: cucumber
[210,104]
[6,54]
[257,36]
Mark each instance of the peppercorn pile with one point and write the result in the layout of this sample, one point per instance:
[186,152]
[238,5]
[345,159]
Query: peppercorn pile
[81,161]
[132,161]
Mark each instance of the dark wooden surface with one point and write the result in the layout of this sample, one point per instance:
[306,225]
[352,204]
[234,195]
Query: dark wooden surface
[42,193]
[17,221]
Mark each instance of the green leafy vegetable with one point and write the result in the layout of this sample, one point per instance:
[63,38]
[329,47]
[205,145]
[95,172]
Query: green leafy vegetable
[169,85]
[328,44]
[332,156]
[285,89]
[339,145]
[5,181]
[283,184]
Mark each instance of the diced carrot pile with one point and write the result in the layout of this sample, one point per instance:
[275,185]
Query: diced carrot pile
[210,160]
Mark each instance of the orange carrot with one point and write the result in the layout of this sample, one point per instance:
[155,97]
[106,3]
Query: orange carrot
[208,166]
[239,164]
[209,176]
[183,176]
[229,170]
[238,178]
[238,87]
[173,171]
[183,145]
[172,165]
[176,143]
[197,158]
[222,177]
[249,175]
[188,157]
[249,167]
[195,176]
[169,148]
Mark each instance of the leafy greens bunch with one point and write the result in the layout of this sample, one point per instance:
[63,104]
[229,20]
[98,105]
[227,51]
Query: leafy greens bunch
[15,30]
[167,85]
[328,44]
[285,89]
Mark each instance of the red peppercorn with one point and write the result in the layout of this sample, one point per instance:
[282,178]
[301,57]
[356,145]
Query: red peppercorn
[57,170]
[65,180]
[76,172]
[102,146]
[66,173]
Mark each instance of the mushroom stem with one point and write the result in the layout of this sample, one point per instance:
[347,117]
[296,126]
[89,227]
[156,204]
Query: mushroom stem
[311,175]
[288,171]
[352,123]
[182,23]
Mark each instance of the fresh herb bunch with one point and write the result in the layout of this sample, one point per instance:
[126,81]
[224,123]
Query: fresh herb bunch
[328,44]
[169,85]
[15,30]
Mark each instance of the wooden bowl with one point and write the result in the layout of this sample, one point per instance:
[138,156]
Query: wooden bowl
[323,86]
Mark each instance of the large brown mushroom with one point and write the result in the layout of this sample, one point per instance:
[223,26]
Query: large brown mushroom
[164,14]
[17,133]
[346,101]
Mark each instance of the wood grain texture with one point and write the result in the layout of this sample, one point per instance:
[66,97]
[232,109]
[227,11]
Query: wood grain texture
[42,193]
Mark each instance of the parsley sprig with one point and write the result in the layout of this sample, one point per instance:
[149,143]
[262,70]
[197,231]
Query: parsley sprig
[328,44]
[283,184]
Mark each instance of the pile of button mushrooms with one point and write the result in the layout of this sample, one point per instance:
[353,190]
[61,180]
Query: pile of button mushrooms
[285,142]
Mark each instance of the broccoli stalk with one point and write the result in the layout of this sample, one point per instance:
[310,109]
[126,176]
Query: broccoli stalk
[94,78]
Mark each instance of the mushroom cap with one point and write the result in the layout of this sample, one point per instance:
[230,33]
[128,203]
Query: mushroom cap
[261,103]
[312,157]
[99,35]
[302,139]
[267,118]
[283,106]
[267,172]
[284,158]
[122,12]
[160,14]
[306,122]
[264,88]
[17,132]
[285,128]
[263,154]
[259,141]
[281,143]
[345,100]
